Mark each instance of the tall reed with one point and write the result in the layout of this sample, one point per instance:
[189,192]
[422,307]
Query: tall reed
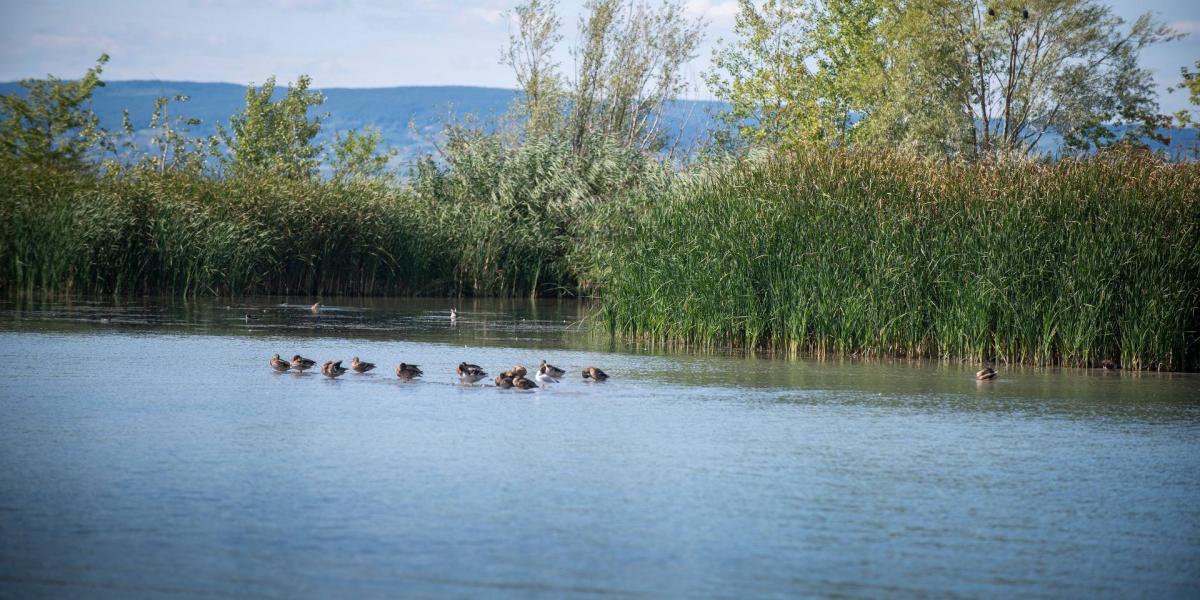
[868,254]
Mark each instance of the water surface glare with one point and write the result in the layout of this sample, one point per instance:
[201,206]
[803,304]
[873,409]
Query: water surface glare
[148,451]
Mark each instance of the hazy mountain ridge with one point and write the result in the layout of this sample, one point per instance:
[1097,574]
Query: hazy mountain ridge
[409,117]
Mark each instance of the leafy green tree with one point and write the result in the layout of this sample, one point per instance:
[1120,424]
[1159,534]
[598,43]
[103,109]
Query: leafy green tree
[629,60]
[529,55]
[953,77]
[360,155]
[53,122]
[275,136]
[171,146]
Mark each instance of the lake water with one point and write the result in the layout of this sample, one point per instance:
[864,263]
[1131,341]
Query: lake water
[148,451]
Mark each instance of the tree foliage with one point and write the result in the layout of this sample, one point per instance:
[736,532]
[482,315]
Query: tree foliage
[53,122]
[275,135]
[629,60]
[951,77]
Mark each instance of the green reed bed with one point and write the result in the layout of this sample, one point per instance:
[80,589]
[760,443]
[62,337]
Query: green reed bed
[185,234]
[1065,263]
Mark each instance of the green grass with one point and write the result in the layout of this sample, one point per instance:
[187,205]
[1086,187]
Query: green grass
[872,255]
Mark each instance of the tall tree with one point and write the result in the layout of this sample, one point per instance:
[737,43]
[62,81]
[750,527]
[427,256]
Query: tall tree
[530,55]
[955,77]
[275,135]
[53,122]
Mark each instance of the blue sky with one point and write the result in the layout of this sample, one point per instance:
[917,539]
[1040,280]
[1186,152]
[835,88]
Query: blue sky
[362,43]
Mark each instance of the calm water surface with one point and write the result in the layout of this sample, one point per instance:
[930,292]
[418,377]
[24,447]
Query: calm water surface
[147,451]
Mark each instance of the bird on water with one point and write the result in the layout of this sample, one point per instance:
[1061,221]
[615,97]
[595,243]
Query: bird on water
[300,363]
[360,366]
[407,372]
[985,374]
[469,373]
[279,364]
[333,369]
[594,374]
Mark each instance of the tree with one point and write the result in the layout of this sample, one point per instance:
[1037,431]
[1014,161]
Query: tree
[53,123]
[629,59]
[275,135]
[529,54]
[358,155]
[954,77]
[171,145]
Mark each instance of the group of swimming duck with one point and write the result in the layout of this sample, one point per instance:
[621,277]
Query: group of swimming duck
[467,373]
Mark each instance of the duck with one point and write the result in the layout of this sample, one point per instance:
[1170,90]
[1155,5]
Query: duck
[333,369]
[248,317]
[543,375]
[1109,365]
[300,363]
[360,366]
[985,374]
[551,370]
[453,315]
[315,308]
[503,382]
[407,371]
[469,373]
[518,371]
[523,384]
[279,364]
[594,374]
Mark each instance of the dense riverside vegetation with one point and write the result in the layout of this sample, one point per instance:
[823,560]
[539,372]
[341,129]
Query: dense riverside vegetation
[1066,263]
[791,232]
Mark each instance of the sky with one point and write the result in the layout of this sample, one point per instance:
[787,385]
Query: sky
[364,43]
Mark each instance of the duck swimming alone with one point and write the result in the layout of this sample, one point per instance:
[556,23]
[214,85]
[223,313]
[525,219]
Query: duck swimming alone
[469,373]
[543,375]
[333,369]
[551,370]
[985,374]
[406,371]
[360,366]
[279,364]
[1109,365]
[300,363]
[594,374]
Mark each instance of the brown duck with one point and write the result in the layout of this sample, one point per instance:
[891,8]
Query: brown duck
[406,371]
[279,364]
[469,373]
[333,369]
[594,374]
[300,363]
[360,366]
[985,374]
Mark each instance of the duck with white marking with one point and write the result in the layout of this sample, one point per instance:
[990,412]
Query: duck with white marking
[469,373]
[551,370]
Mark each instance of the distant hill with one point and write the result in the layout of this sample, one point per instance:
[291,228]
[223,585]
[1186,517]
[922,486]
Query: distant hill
[392,110]
[409,117]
